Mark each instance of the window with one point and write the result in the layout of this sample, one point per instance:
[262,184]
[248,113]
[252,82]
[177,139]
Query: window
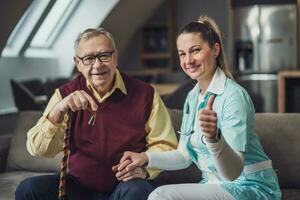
[53,23]
[45,21]
[39,27]
[24,28]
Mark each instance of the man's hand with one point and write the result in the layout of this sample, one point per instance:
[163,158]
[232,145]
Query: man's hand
[208,120]
[78,100]
[124,175]
[131,166]
[136,160]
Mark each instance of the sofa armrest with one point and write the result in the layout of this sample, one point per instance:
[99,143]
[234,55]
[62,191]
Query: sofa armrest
[4,147]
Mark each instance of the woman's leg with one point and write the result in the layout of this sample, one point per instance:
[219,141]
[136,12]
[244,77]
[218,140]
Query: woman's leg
[190,192]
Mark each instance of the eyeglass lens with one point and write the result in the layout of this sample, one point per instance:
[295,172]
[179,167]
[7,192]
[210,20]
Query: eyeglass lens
[102,57]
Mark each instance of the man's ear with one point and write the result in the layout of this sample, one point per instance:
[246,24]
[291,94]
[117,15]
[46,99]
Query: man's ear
[216,49]
[116,53]
[76,62]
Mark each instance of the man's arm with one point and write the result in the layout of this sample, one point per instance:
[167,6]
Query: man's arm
[160,132]
[46,138]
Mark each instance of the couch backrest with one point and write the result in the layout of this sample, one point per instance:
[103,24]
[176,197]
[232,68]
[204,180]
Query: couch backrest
[280,137]
[18,156]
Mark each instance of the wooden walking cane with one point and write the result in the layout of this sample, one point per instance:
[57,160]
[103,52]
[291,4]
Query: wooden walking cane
[64,161]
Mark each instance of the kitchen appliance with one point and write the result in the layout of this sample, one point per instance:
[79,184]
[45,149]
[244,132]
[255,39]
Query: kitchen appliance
[265,42]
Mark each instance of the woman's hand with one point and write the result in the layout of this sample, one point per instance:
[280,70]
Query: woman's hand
[208,120]
[137,160]
[124,175]
[131,166]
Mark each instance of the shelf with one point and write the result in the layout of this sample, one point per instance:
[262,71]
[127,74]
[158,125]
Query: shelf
[148,72]
[156,55]
[164,89]
[157,39]
[282,87]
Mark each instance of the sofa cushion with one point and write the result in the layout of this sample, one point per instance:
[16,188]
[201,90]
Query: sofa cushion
[280,136]
[18,156]
[290,194]
[189,175]
[4,147]
[10,180]
[175,116]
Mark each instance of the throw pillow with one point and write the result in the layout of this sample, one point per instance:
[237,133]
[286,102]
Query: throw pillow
[18,156]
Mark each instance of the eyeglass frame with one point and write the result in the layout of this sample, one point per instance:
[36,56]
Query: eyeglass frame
[97,56]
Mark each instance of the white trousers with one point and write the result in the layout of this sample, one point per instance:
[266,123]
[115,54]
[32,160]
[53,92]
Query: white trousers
[191,191]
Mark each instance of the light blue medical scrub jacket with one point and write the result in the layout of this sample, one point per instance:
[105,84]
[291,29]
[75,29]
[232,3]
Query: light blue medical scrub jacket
[235,113]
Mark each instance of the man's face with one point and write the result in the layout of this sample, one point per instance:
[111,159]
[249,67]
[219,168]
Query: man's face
[101,73]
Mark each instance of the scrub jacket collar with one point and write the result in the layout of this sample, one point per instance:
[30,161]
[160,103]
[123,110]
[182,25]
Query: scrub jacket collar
[217,83]
[215,87]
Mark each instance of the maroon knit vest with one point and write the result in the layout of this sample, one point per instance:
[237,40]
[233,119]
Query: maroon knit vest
[119,127]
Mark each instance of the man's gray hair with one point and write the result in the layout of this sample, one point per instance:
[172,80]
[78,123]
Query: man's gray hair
[92,32]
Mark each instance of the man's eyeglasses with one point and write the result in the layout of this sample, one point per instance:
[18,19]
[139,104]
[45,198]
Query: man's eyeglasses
[102,57]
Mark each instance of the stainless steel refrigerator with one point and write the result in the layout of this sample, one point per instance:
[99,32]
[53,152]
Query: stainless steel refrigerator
[265,42]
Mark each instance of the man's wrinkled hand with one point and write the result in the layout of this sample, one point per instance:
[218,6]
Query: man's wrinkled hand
[125,175]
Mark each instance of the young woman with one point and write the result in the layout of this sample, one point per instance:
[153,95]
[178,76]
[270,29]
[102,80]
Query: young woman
[217,132]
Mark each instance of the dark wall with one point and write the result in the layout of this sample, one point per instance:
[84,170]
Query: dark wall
[190,10]
[11,11]
[187,10]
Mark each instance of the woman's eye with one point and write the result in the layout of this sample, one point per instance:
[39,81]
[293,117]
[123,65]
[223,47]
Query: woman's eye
[181,54]
[196,50]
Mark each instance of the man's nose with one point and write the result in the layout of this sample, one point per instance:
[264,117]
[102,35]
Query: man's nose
[97,63]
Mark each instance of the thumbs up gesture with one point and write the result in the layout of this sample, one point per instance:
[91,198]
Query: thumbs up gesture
[208,120]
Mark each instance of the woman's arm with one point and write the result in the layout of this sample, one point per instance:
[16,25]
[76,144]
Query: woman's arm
[228,162]
[170,160]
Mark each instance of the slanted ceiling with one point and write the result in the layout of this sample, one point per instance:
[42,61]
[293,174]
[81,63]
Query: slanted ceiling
[127,17]
[123,21]
[11,12]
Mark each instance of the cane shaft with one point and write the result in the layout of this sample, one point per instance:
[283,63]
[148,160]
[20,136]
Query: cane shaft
[64,162]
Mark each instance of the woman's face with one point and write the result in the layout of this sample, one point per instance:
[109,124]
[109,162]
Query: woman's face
[197,58]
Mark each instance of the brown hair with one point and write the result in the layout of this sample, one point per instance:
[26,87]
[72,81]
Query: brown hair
[209,31]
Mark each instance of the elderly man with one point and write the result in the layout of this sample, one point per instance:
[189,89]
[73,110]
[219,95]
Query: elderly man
[130,116]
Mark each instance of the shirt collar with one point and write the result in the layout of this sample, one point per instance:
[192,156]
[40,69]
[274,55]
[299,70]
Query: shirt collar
[118,84]
[217,83]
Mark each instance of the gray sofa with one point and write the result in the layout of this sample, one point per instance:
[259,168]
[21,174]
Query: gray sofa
[279,133]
